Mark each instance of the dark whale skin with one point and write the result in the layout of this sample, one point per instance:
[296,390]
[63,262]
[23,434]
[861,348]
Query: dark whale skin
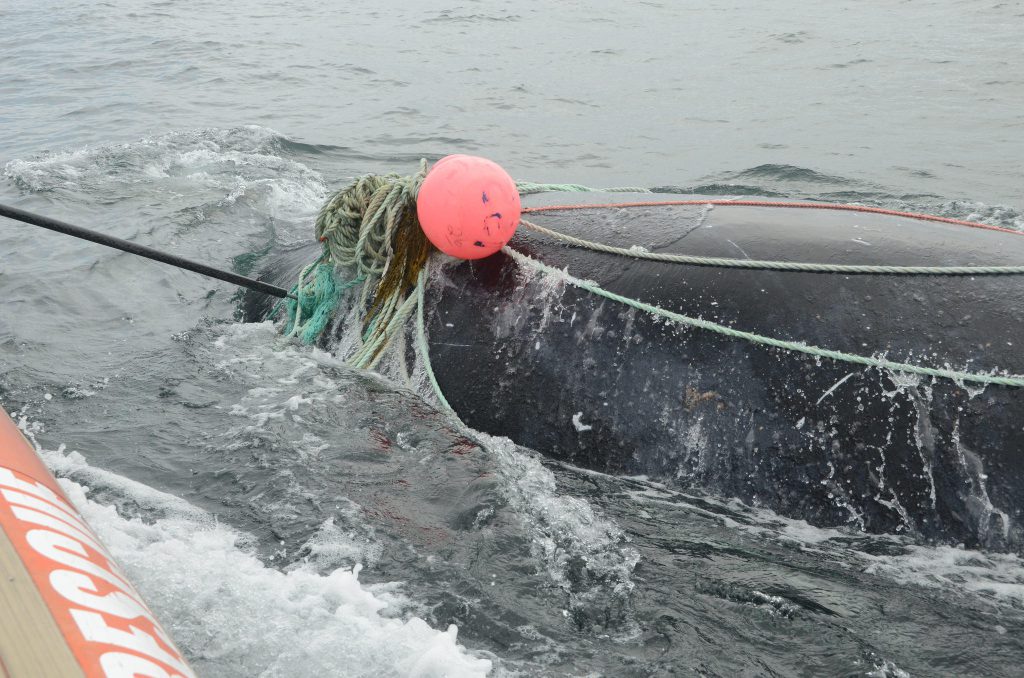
[597,384]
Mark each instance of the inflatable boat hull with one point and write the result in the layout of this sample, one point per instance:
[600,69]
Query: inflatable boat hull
[67,608]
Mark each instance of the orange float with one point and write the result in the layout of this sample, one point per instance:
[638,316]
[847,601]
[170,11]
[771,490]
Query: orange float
[468,206]
[67,608]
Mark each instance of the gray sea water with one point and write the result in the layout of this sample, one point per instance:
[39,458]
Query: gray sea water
[287,516]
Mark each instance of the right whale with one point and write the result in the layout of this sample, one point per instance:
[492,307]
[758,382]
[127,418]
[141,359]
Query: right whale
[598,384]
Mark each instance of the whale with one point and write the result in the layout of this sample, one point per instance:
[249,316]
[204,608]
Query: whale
[595,383]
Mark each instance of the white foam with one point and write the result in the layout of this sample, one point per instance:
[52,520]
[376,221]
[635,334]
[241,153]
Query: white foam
[995,578]
[998,577]
[983,575]
[64,463]
[333,546]
[883,668]
[234,616]
[219,165]
[566,529]
[993,215]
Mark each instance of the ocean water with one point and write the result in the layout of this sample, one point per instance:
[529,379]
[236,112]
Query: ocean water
[285,515]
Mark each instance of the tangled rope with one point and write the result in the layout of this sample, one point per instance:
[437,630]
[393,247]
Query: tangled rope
[370,230]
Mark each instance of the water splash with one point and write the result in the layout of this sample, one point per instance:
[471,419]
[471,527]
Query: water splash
[233,615]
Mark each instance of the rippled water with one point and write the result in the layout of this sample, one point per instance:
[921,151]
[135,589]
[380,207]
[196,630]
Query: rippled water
[216,129]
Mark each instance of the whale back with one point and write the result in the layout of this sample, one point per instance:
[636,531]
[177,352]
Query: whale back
[599,384]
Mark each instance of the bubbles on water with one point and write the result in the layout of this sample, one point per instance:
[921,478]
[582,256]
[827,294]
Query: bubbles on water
[994,215]
[233,615]
[883,668]
[994,577]
[336,545]
[584,553]
[989,577]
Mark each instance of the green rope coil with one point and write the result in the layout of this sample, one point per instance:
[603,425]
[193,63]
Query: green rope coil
[530,188]
[357,223]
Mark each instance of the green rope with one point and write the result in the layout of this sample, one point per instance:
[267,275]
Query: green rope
[594,288]
[372,350]
[772,265]
[316,299]
[356,224]
[530,188]
[424,348]
[360,226]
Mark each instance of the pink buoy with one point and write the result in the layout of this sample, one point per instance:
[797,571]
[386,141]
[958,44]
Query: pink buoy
[468,206]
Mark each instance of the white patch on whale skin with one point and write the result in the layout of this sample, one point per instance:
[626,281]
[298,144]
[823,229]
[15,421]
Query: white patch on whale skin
[577,422]
[834,387]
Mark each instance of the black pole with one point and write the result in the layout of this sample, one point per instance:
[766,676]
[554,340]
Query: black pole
[141,250]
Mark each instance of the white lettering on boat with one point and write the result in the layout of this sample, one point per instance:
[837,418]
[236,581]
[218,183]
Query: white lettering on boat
[83,588]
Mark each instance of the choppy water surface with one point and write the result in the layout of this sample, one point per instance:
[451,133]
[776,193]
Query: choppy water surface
[287,516]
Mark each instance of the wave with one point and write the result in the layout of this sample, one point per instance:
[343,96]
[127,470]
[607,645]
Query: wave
[789,173]
[204,169]
[803,183]
[986,578]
